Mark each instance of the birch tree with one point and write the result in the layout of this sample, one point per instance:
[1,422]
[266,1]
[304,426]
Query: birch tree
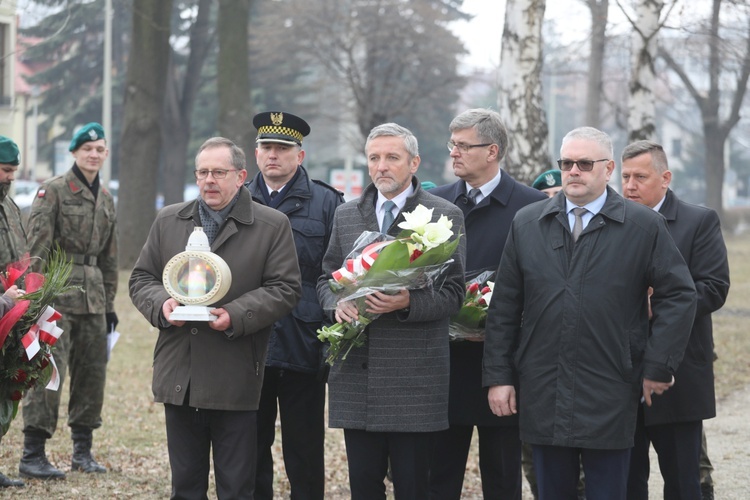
[642,102]
[520,89]
[599,13]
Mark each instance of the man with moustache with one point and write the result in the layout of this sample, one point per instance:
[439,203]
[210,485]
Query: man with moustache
[489,199]
[294,382]
[569,346]
[674,423]
[391,395]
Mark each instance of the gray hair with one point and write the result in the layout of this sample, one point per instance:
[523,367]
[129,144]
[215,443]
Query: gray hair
[395,130]
[488,125]
[591,134]
[658,156]
[238,156]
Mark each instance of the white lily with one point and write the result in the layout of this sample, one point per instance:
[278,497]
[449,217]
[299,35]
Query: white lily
[417,219]
[435,233]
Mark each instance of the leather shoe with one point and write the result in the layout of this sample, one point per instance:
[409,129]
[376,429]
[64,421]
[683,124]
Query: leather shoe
[6,482]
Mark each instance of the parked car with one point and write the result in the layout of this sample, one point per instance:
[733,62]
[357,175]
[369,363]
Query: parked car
[25,191]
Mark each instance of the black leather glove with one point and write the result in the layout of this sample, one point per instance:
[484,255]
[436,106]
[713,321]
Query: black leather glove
[111,321]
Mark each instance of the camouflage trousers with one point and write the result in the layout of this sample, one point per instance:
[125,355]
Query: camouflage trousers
[81,350]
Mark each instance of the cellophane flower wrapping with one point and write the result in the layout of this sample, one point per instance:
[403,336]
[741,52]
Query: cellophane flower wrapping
[18,373]
[469,322]
[416,259]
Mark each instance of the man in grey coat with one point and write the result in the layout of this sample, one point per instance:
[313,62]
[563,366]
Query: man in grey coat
[568,345]
[209,374]
[391,395]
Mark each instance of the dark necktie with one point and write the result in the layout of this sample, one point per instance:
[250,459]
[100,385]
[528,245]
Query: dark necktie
[388,217]
[274,194]
[578,225]
[474,194]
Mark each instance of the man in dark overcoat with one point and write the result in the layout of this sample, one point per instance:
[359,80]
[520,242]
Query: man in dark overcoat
[391,395]
[294,383]
[489,198]
[568,345]
[209,374]
[674,423]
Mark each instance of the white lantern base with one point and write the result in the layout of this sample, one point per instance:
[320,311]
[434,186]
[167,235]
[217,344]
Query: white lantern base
[192,313]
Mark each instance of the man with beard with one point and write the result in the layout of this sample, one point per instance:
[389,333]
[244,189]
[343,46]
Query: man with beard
[391,395]
[12,234]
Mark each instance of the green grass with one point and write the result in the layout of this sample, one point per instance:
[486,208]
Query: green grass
[132,440]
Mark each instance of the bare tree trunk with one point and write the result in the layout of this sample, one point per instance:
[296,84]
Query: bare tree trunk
[235,118]
[520,89]
[140,145]
[642,104]
[179,105]
[599,14]
[716,131]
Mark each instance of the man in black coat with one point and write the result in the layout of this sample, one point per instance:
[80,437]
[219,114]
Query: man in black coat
[674,422]
[294,375]
[477,145]
[568,343]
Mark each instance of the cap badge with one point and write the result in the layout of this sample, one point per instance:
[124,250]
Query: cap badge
[549,179]
[277,118]
[92,135]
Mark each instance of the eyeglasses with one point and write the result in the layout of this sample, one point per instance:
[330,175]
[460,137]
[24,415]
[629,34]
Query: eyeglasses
[464,148]
[583,165]
[218,173]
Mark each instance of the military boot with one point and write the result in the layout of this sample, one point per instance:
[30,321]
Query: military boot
[6,482]
[34,463]
[82,458]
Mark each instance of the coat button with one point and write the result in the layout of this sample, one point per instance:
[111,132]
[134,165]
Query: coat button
[364,366]
[149,304]
[194,331]
[249,314]
[178,388]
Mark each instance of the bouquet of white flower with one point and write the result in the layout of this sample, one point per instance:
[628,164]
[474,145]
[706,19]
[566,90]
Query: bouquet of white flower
[413,260]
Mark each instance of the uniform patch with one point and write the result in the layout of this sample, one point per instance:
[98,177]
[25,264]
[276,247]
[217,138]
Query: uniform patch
[73,186]
[41,193]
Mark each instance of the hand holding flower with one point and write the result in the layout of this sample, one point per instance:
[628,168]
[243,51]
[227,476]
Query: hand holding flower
[382,303]
[346,312]
[14,293]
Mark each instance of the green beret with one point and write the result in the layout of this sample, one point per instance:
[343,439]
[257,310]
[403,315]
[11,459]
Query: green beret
[549,179]
[89,132]
[427,185]
[275,126]
[9,154]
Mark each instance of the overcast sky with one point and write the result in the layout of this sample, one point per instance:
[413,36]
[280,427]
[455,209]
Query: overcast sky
[482,35]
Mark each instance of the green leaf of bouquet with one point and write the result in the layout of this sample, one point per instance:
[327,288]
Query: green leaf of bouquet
[393,257]
[436,255]
[473,317]
[8,411]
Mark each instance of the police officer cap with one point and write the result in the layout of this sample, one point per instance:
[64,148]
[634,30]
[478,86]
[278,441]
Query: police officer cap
[89,132]
[9,154]
[275,126]
[549,179]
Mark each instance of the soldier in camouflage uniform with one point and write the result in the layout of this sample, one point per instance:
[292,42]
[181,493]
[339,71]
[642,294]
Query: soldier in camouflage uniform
[12,235]
[75,212]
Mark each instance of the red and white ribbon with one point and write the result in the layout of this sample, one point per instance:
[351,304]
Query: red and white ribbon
[54,381]
[45,330]
[356,267]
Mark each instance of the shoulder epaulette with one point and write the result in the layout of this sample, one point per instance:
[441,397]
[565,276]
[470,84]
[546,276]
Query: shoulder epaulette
[326,185]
